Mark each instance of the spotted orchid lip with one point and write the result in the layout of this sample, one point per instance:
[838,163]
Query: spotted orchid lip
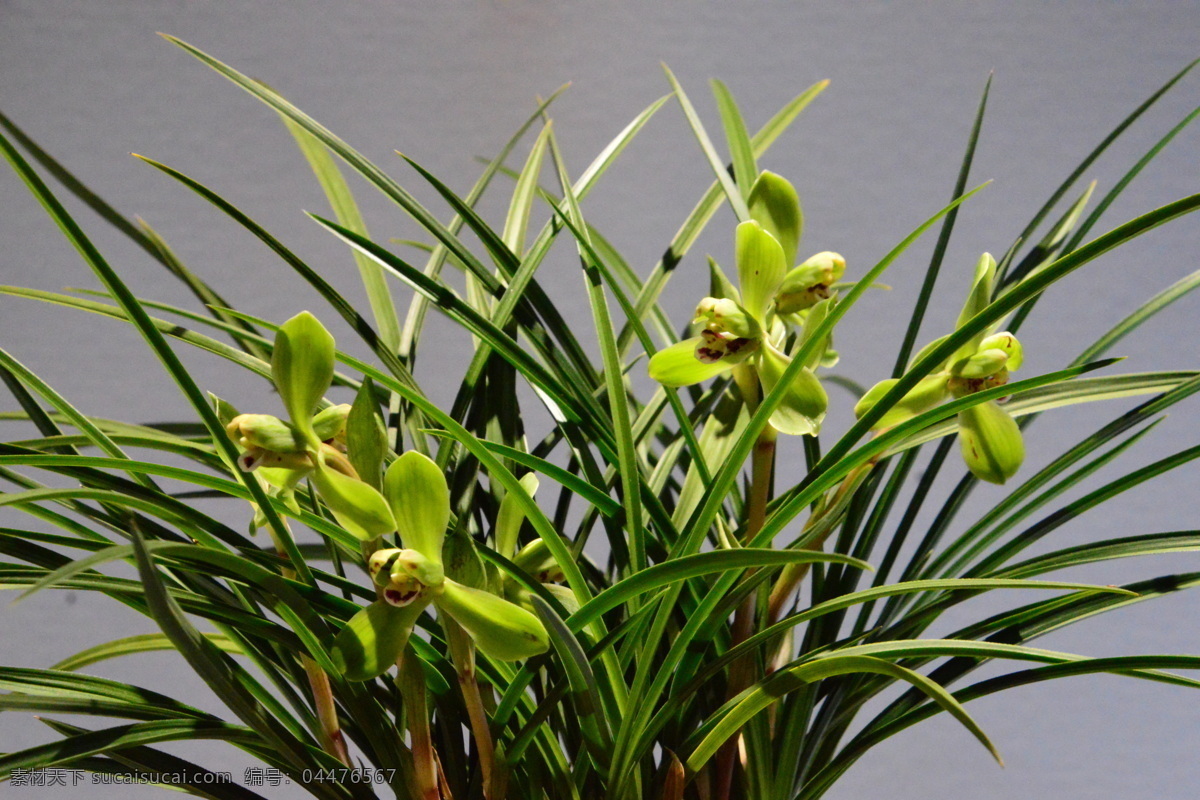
[396,597]
[251,460]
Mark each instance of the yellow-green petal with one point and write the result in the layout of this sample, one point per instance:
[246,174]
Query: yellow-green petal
[991,442]
[302,365]
[983,364]
[500,629]
[536,559]
[929,392]
[760,264]
[815,318]
[265,432]
[374,638]
[330,423]
[417,492]
[355,505]
[775,205]
[1009,344]
[803,407]
[677,365]
[977,300]
[719,284]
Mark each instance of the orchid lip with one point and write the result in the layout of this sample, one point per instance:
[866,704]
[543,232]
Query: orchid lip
[250,460]
[397,597]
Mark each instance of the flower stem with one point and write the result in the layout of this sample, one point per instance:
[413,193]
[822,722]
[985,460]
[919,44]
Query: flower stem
[793,576]
[462,654]
[411,681]
[332,740]
[762,461]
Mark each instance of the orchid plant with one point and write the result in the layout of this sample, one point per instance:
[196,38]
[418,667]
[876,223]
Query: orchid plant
[628,601]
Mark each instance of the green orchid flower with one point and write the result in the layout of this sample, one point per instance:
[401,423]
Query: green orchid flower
[412,577]
[989,438]
[748,325]
[309,445]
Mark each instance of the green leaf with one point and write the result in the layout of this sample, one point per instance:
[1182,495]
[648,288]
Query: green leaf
[302,364]
[782,682]
[735,198]
[499,628]
[943,240]
[680,569]
[588,703]
[1027,233]
[1166,297]
[742,154]
[374,638]
[226,677]
[341,200]
[523,194]
[419,497]
[141,643]
[579,486]
[120,736]
[594,273]
[775,205]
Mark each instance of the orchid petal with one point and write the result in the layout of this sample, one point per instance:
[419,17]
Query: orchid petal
[420,499]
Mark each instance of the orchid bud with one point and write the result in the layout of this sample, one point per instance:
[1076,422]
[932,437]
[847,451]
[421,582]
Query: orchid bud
[810,282]
[379,565]
[991,442]
[536,559]
[511,516]
[1008,343]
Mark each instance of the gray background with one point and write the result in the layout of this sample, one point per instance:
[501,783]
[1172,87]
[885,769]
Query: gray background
[875,155]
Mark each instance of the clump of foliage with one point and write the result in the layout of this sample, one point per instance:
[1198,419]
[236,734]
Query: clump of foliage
[420,625]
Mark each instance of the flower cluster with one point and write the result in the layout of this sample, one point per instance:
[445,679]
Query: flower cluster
[989,437]
[748,328]
[414,501]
